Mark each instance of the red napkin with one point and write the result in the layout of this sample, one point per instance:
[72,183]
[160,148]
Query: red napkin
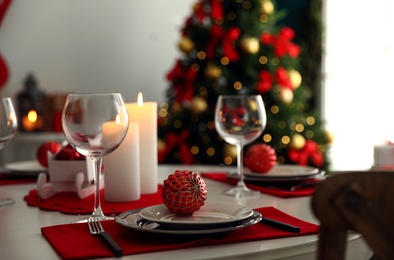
[70,203]
[222,177]
[73,241]
[6,179]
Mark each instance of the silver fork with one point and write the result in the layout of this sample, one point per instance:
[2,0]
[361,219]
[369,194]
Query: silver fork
[96,228]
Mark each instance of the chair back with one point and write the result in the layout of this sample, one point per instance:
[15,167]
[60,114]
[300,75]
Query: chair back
[361,201]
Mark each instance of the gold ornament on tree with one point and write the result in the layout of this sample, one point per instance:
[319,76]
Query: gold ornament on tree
[286,95]
[267,7]
[212,72]
[250,45]
[329,136]
[230,151]
[198,105]
[186,45]
[295,78]
[297,142]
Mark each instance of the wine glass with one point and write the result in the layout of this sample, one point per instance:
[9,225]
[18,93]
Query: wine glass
[8,122]
[239,120]
[95,125]
[8,128]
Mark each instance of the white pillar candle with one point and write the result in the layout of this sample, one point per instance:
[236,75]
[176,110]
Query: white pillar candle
[112,133]
[122,169]
[145,114]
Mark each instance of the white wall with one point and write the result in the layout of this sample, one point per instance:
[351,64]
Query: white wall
[122,46]
[359,69]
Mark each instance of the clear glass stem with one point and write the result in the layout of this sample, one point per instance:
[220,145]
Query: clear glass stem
[240,167]
[240,164]
[97,163]
[240,190]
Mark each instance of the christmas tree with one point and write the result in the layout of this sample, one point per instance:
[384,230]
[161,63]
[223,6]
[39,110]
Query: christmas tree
[236,47]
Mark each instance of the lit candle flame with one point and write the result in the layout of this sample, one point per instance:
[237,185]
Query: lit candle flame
[32,116]
[12,118]
[140,100]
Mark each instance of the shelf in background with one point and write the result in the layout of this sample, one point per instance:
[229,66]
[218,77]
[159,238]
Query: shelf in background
[25,145]
[22,137]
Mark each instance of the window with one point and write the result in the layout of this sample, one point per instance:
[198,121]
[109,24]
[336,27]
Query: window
[358,69]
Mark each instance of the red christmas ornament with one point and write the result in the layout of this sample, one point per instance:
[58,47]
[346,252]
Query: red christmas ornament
[69,153]
[184,192]
[43,149]
[4,71]
[260,158]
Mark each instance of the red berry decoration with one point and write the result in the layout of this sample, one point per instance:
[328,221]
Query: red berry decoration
[184,192]
[260,158]
[43,149]
[68,153]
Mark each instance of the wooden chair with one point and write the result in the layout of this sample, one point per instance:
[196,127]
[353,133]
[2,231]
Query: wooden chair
[359,201]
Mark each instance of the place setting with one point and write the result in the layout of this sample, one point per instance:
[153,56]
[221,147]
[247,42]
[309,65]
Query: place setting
[16,172]
[284,181]
[130,219]
[286,177]
[134,240]
[178,209]
[20,172]
[184,221]
[211,218]
[240,120]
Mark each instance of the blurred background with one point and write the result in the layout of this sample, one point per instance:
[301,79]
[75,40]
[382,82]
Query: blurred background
[129,46]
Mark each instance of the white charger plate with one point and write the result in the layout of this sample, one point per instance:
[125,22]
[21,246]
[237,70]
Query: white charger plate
[284,173]
[132,220]
[24,168]
[211,213]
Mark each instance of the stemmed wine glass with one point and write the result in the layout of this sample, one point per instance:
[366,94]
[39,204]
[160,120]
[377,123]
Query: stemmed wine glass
[95,125]
[8,122]
[239,120]
[8,128]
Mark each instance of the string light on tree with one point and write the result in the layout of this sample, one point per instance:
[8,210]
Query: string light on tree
[250,45]
[267,7]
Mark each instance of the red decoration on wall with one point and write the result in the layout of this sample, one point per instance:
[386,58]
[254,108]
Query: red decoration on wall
[4,4]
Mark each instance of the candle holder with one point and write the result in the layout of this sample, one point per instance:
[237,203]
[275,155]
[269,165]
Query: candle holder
[31,105]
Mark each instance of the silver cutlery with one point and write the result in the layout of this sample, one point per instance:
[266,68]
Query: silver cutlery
[293,187]
[6,201]
[280,225]
[96,228]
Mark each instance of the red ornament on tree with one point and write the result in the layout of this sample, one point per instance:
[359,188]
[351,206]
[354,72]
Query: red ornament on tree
[43,149]
[184,192]
[260,158]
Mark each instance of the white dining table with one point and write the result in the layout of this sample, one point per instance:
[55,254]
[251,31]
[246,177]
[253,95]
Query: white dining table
[21,238]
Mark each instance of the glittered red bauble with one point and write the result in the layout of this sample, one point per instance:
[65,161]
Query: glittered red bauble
[43,149]
[184,192]
[260,158]
[68,153]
